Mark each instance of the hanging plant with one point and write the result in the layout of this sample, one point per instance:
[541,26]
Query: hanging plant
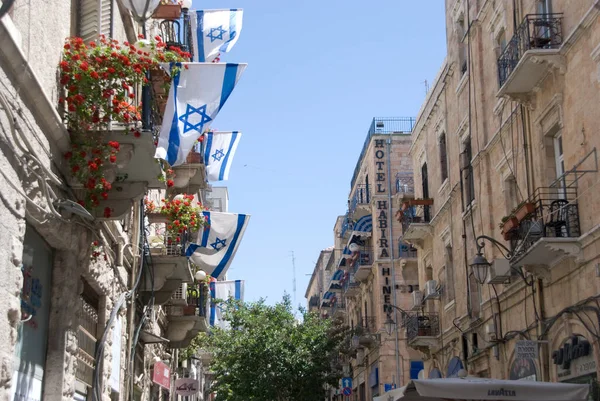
[182,216]
[100,82]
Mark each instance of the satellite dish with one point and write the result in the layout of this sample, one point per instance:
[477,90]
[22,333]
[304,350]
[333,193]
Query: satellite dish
[421,374]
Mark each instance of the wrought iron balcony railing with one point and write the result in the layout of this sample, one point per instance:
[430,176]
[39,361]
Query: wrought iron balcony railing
[406,250]
[555,215]
[417,214]
[383,126]
[366,325]
[422,325]
[197,297]
[361,196]
[365,259]
[346,225]
[537,31]
[314,301]
[405,183]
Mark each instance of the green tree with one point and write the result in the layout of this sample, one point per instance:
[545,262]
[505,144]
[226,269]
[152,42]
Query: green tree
[268,355]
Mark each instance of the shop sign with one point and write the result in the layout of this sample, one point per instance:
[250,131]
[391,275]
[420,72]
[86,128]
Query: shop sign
[186,387]
[523,369]
[574,359]
[161,375]
[526,349]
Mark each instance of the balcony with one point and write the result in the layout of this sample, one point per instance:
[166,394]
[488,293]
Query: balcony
[366,330]
[170,267]
[363,260]
[339,308]
[409,263]
[190,177]
[550,233]
[359,202]
[351,286]
[415,217]
[185,322]
[422,329]
[205,356]
[530,54]
[313,302]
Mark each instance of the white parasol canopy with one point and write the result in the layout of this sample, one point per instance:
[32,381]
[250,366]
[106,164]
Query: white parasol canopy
[486,389]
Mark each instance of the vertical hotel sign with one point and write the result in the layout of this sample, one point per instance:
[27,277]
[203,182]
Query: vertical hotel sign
[382,205]
[383,223]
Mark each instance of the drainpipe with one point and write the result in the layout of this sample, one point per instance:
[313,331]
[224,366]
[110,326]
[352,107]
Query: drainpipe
[137,231]
[392,255]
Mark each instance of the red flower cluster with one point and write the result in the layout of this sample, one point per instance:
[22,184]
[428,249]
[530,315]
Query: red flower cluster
[183,216]
[97,251]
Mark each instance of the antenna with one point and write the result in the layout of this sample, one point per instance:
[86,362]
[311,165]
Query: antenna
[426,86]
[294,275]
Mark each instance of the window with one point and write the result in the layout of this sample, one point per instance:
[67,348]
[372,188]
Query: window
[87,336]
[462,48]
[510,194]
[544,6]
[94,17]
[449,275]
[443,157]
[469,182]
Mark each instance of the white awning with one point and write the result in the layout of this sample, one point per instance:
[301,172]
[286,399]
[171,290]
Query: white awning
[486,389]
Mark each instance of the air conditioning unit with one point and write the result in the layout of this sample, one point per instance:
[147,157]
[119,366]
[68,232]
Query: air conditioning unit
[417,299]
[499,271]
[490,331]
[179,297]
[431,291]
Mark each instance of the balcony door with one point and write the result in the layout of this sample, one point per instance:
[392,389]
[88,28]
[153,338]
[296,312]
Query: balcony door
[425,184]
[559,165]
[544,7]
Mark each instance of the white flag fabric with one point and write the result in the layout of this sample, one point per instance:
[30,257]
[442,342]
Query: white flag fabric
[214,32]
[218,242]
[223,290]
[197,94]
[219,150]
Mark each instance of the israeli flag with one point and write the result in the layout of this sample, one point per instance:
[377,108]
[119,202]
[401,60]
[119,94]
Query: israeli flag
[218,242]
[219,149]
[197,94]
[223,290]
[214,32]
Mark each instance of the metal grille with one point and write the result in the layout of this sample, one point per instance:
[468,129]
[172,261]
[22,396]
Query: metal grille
[537,31]
[405,183]
[86,336]
[422,325]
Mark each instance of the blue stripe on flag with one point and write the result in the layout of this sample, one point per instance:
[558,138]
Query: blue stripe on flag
[232,30]
[213,307]
[234,136]
[208,148]
[173,149]
[206,231]
[228,82]
[191,249]
[225,261]
[200,35]
[238,289]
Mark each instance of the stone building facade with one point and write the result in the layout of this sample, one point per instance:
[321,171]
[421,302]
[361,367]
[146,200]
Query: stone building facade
[505,146]
[58,295]
[372,272]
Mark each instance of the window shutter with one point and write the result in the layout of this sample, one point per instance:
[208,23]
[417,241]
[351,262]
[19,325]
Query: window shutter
[95,18]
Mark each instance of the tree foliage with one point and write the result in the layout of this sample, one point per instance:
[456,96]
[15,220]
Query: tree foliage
[268,355]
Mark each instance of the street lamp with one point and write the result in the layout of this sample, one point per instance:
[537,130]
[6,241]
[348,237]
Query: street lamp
[480,264]
[390,325]
[141,9]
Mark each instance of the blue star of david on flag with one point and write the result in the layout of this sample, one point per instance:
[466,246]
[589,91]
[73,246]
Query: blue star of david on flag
[218,244]
[216,33]
[190,111]
[218,155]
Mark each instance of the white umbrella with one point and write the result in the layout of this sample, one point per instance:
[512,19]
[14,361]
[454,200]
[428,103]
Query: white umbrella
[486,389]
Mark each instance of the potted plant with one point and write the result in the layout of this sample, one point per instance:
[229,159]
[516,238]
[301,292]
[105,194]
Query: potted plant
[168,9]
[182,216]
[99,82]
[524,209]
[508,224]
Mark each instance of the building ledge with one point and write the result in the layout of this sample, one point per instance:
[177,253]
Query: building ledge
[548,252]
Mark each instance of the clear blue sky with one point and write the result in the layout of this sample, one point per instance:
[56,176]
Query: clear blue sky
[318,72]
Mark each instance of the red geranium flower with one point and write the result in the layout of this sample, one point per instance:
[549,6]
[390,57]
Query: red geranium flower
[112,158]
[170,183]
[107,212]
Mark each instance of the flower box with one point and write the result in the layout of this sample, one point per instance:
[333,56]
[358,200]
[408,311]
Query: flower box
[508,226]
[194,158]
[524,210]
[421,202]
[167,11]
